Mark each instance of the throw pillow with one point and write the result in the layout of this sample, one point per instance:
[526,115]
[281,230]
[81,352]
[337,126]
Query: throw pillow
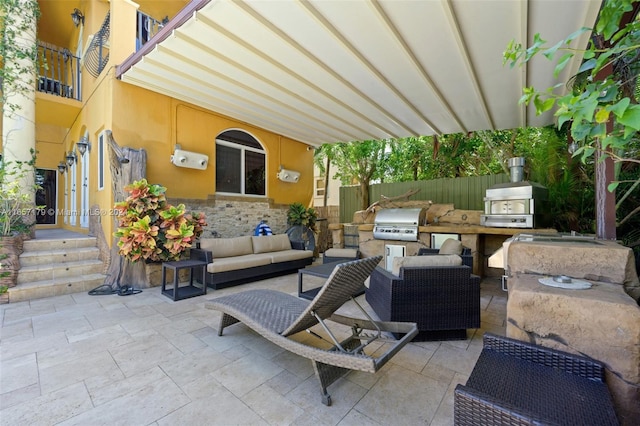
[451,246]
[227,247]
[270,243]
[425,261]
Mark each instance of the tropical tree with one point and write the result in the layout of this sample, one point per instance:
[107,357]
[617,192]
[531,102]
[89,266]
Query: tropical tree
[601,111]
[359,163]
[407,159]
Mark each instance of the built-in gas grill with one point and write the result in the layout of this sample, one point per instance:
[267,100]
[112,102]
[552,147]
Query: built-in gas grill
[398,224]
[516,204]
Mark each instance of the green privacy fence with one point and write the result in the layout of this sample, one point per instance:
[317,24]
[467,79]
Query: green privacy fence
[465,193]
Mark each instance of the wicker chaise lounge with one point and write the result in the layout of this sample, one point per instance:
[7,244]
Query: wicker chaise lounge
[277,316]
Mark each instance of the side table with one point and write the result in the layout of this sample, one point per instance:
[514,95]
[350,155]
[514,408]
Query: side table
[183,292]
[323,271]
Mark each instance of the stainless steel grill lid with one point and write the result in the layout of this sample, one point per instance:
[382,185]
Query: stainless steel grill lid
[411,217]
[398,224]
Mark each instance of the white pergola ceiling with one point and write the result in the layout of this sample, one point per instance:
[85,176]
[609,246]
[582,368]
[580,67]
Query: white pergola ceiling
[323,71]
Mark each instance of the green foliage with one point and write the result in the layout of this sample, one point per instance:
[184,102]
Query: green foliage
[17,212]
[18,59]
[594,100]
[299,215]
[151,229]
[357,163]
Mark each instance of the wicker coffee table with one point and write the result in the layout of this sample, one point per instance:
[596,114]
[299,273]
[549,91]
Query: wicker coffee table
[322,271]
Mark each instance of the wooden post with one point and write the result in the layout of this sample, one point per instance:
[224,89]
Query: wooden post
[127,165]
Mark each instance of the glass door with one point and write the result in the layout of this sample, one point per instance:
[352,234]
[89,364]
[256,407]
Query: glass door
[46,196]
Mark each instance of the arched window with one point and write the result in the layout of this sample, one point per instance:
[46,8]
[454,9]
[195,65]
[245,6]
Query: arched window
[240,164]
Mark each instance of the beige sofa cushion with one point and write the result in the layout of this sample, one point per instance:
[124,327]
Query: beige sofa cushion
[430,260]
[451,246]
[269,243]
[227,247]
[239,262]
[287,255]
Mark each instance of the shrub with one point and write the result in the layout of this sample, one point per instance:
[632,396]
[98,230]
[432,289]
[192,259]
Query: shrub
[151,229]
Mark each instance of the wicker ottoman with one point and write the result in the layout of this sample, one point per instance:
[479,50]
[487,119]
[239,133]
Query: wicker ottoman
[518,383]
[340,255]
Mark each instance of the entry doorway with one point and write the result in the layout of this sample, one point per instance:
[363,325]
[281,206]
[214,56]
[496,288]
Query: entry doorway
[46,196]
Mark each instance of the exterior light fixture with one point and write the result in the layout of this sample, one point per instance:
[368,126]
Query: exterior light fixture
[62,167]
[77,17]
[71,158]
[83,145]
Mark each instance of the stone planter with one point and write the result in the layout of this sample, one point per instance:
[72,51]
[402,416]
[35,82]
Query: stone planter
[11,247]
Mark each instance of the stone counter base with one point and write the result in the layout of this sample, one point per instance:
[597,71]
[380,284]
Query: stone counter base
[602,322]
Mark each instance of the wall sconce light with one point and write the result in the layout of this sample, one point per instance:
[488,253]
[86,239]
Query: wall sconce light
[83,145]
[62,167]
[290,176]
[77,17]
[71,158]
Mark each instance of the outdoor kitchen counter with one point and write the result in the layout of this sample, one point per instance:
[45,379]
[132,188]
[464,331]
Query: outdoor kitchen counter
[465,229]
[483,241]
[601,322]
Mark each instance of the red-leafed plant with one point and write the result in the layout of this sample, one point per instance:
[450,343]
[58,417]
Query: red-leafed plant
[151,229]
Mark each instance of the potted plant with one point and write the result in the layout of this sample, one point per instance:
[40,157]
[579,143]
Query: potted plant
[302,225]
[153,230]
[17,218]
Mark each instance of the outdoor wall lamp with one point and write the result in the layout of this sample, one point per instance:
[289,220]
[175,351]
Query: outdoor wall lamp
[62,167]
[83,145]
[71,158]
[78,17]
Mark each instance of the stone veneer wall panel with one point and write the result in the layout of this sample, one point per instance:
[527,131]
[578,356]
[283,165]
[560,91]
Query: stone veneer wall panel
[237,217]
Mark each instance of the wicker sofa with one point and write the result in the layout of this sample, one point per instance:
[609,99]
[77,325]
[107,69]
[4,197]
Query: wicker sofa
[441,295]
[515,382]
[233,261]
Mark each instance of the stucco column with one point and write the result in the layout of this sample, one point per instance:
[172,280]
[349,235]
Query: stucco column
[19,112]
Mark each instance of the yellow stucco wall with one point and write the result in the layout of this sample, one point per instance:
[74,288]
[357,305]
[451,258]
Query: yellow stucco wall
[142,119]
[157,123]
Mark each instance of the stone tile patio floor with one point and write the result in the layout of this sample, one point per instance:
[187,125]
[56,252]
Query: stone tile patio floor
[146,360]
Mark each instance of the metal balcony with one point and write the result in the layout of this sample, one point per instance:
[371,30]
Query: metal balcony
[59,72]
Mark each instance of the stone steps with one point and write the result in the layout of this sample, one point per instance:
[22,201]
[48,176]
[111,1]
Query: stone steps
[52,272]
[57,266]
[60,256]
[58,287]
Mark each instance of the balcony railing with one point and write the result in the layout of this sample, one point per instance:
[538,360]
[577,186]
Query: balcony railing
[59,72]
[146,28]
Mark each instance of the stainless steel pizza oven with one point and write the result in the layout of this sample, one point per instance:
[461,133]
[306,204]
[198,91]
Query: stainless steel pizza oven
[516,204]
[398,224]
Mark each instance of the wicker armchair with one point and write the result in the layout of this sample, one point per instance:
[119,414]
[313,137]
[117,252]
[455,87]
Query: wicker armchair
[519,383]
[467,258]
[443,300]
